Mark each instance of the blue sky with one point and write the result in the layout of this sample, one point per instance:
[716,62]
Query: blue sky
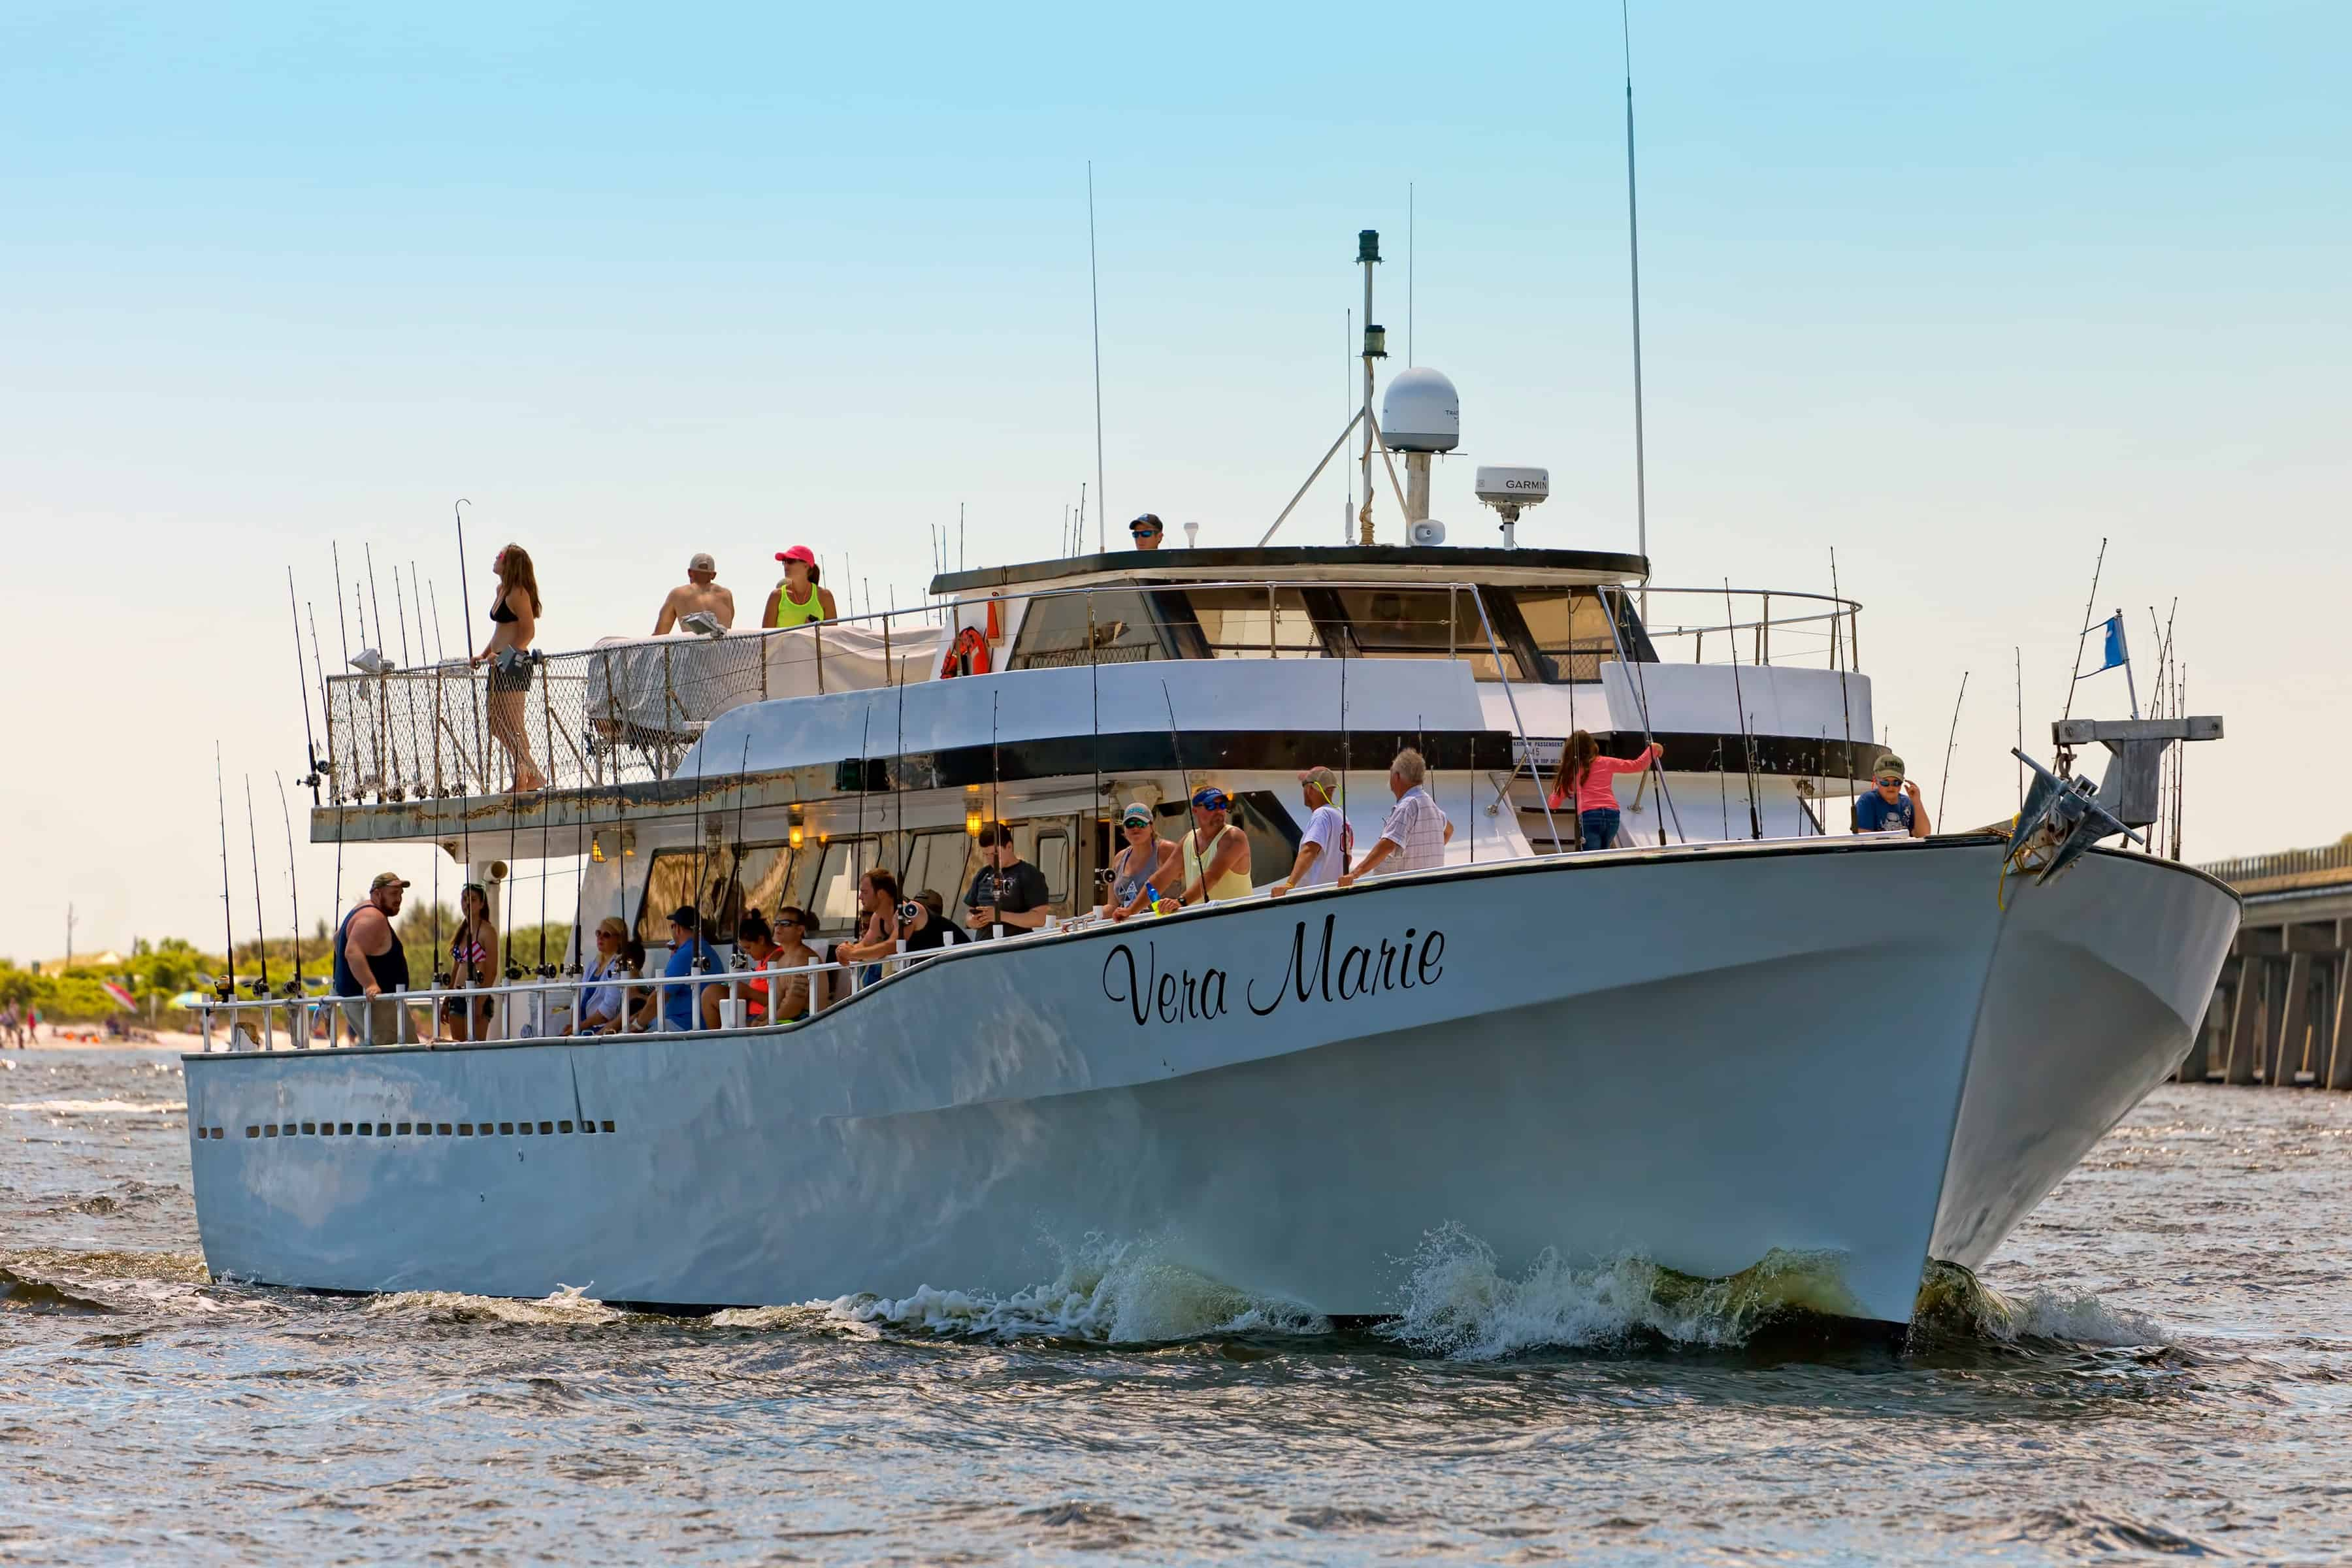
[1957,290]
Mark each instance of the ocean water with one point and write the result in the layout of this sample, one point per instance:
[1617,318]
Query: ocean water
[2158,1364]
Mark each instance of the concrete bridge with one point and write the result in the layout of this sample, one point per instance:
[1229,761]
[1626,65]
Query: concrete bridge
[2278,1012]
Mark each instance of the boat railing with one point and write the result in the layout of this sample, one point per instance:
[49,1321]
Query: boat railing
[458,1017]
[628,711]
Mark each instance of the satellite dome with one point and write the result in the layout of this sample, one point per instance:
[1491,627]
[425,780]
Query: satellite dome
[1421,412]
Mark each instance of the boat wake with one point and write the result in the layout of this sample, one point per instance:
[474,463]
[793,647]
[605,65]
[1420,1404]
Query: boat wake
[1106,1292]
[1955,1306]
[1456,1303]
[1459,1303]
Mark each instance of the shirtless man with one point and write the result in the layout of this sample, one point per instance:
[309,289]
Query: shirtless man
[701,591]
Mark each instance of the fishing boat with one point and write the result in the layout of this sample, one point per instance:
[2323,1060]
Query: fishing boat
[1740,1033]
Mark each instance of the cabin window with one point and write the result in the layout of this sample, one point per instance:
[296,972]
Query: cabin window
[671,878]
[1251,623]
[1424,623]
[1054,630]
[1569,631]
[833,895]
[1053,857]
[937,861]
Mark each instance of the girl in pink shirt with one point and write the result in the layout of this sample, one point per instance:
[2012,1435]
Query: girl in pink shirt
[1589,779]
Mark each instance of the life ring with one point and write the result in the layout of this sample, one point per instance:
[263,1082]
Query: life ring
[969,655]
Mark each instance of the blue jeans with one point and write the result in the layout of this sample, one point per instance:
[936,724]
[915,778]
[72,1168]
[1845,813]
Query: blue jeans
[1600,828]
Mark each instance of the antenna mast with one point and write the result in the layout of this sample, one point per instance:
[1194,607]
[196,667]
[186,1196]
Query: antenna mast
[1094,289]
[1367,253]
[1633,254]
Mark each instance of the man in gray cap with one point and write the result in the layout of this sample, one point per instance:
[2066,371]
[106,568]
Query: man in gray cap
[1892,804]
[701,591]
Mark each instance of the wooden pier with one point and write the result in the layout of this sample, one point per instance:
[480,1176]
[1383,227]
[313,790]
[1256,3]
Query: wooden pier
[2278,1012]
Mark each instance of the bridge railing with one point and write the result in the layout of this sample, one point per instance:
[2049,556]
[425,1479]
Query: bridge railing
[2251,869]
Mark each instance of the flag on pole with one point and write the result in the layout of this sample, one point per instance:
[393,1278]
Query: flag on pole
[2116,653]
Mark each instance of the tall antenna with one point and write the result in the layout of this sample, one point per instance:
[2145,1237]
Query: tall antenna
[1347,352]
[1368,254]
[1094,288]
[1633,252]
[1408,279]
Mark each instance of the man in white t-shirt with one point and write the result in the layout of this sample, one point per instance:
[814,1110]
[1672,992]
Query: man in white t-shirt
[1416,832]
[1323,847]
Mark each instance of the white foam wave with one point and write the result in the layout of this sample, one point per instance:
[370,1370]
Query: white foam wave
[2078,1317]
[1458,1302]
[1106,1292]
[569,1307]
[96,1107]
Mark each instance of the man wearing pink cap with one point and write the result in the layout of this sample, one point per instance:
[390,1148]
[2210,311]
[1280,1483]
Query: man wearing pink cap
[797,600]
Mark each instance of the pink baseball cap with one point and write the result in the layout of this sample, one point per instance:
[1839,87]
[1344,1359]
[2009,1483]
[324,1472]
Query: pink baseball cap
[799,553]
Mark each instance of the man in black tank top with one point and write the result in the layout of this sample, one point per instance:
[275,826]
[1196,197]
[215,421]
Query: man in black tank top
[372,967]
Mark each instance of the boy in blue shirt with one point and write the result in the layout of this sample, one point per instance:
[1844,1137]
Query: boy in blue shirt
[680,1004]
[1893,805]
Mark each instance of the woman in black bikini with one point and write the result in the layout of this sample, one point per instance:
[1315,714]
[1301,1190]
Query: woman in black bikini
[473,961]
[515,613]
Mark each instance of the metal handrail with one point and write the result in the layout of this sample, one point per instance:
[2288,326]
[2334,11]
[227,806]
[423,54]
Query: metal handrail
[424,732]
[2281,863]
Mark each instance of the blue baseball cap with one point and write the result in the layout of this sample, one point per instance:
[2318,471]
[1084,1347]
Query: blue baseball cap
[1209,797]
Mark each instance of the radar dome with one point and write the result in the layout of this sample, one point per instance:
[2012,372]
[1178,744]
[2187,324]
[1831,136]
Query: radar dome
[1420,411]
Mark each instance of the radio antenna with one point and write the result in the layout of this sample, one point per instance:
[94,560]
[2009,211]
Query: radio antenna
[1634,255]
[1094,290]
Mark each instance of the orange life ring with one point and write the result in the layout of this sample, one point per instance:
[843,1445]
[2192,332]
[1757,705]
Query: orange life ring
[969,655]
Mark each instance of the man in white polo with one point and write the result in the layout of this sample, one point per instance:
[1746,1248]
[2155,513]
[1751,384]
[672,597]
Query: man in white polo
[1416,832]
[1323,846]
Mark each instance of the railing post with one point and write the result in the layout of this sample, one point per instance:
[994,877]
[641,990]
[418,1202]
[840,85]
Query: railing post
[816,630]
[1764,633]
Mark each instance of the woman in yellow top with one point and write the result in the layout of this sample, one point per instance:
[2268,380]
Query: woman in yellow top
[797,600]
[1226,874]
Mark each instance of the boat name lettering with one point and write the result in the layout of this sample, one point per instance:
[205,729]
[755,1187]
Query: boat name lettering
[1332,972]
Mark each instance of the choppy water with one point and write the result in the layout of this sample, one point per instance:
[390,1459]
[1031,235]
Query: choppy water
[2172,1376]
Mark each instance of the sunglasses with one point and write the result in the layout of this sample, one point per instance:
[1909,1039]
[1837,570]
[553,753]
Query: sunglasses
[1141,533]
[1137,827]
[1891,781]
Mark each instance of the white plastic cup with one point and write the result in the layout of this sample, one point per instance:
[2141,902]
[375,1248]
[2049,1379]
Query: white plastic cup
[731,1013]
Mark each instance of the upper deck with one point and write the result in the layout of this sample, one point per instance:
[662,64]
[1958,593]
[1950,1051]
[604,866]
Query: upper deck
[628,711]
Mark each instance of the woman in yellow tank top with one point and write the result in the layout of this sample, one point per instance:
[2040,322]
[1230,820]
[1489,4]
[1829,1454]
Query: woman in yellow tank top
[797,600]
[1216,854]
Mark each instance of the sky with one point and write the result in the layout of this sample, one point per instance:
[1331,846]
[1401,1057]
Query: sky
[1957,291]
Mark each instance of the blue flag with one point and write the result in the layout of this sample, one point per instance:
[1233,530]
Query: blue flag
[2116,653]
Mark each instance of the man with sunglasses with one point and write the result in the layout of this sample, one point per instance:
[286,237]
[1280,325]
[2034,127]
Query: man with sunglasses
[1146,531]
[1893,803]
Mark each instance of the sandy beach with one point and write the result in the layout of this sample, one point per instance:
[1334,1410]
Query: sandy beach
[90,1037]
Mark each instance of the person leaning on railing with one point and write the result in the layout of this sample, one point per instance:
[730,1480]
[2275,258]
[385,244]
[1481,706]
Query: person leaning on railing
[1416,832]
[792,992]
[604,1006]
[370,964]
[758,945]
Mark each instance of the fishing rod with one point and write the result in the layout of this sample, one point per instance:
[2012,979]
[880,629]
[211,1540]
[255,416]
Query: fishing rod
[1642,704]
[1845,705]
[737,959]
[260,940]
[224,987]
[544,971]
[293,889]
[701,945]
[465,609]
[1731,636]
[303,686]
[1949,741]
[1176,744]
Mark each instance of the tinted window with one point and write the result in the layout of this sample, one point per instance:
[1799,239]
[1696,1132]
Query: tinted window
[1570,632]
[1054,630]
[1422,624]
[1248,623]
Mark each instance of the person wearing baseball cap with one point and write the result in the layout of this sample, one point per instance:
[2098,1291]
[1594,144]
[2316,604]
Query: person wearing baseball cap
[1216,854]
[371,965]
[701,592]
[1892,804]
[1147,531]
[1323,847]
[1146,864]
[797,600]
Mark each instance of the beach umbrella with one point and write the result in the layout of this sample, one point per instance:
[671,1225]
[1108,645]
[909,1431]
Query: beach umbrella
[191,998]
[122,998]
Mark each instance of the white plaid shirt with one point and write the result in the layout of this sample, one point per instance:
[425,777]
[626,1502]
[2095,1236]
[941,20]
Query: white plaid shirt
[1417,827]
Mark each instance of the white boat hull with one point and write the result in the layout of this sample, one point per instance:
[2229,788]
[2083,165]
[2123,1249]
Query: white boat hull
[1698,1056]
